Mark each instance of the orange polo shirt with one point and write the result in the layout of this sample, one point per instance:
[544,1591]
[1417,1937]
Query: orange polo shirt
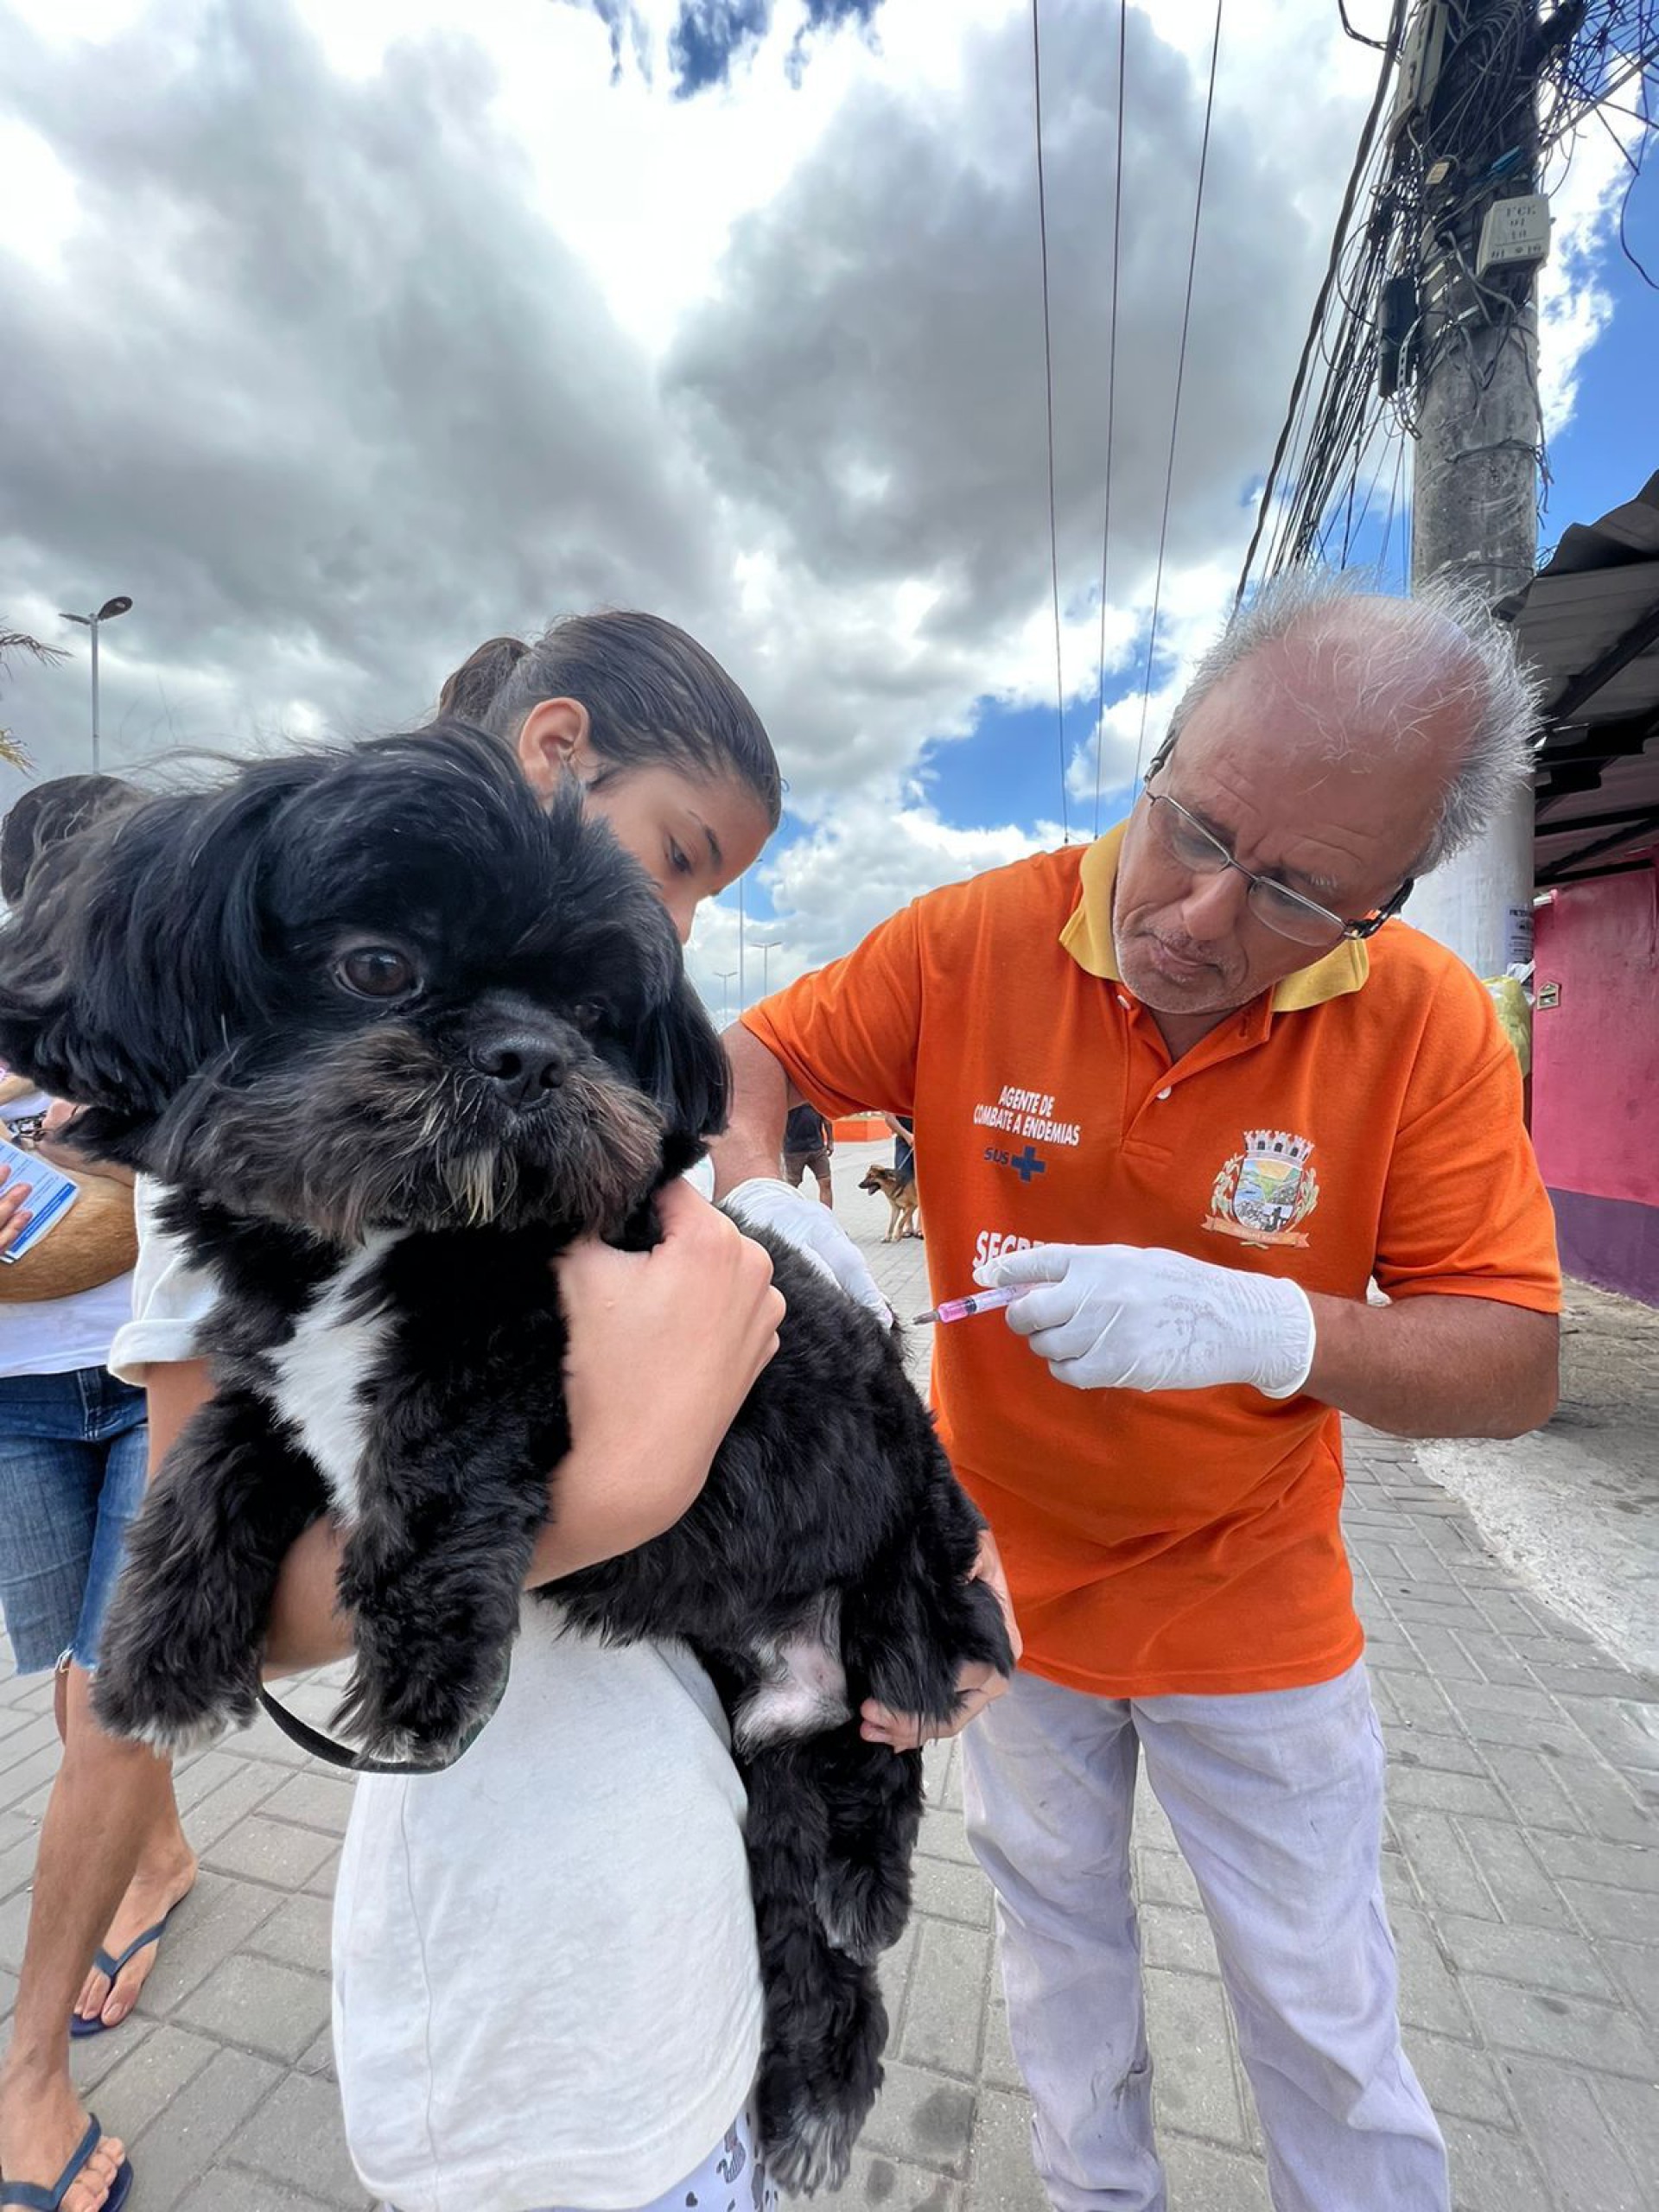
[1364,1118]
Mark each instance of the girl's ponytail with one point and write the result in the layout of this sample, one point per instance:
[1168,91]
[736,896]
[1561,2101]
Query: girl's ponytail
[468,694]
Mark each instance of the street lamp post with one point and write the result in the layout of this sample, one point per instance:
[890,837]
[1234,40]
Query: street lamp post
[727,977]
[763,946]
[107,612]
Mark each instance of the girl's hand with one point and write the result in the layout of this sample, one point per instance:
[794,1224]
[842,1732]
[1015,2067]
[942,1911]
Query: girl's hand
[664,1346]
[976,1686]
[14,1209]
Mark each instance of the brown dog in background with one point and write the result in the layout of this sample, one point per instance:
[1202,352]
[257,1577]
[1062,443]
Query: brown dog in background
[904,1215]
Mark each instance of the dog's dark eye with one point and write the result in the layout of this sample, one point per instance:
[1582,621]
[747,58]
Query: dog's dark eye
[377,971]
[588,1015]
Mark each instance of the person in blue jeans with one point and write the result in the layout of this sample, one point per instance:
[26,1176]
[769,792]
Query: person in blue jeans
[72,1438]
[71,1472]
[73,1462]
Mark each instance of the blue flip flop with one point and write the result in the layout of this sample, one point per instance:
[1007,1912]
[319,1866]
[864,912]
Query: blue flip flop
[33,2198]
[79,2023]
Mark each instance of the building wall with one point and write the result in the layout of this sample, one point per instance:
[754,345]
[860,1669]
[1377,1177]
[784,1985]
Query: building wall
[1595,1089]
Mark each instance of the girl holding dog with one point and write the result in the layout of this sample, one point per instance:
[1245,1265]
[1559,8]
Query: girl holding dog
[546,1988]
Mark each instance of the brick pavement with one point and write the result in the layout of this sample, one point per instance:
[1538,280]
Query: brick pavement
[1521,1866]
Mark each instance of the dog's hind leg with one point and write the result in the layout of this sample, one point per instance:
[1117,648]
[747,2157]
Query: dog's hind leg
[874,1801]
[866,1799]
[825,2023]
[906,1632]
[179,1658]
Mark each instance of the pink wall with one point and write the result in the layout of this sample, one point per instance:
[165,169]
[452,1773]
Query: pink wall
[1595,1089]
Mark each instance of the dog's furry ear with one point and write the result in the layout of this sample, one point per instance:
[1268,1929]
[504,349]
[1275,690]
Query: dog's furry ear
[124,959]
[44,879]
[682,1062]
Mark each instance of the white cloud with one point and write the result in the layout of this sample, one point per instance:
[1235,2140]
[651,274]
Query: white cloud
[93,22]
[828,889]
[34,179]
[1574,306]
[870,857]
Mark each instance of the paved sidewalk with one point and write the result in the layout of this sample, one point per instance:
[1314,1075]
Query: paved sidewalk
[1521,1868]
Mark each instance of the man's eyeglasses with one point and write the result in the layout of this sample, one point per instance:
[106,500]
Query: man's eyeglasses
[1191,848]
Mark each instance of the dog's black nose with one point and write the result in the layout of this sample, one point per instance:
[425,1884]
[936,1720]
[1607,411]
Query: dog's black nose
[523,1067]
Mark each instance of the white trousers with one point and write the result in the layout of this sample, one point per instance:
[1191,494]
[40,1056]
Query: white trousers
[1276,1801]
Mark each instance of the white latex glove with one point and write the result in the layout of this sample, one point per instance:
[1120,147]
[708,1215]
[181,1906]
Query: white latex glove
[768,1202]
[1115,1317]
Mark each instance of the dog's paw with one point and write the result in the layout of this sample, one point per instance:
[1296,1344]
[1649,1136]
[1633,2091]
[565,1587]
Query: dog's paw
[820,2073]
[812,2146]
[174,1715]
[406,1723]
[863,1908]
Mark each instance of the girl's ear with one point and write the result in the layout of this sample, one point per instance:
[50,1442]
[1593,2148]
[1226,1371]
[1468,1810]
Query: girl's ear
[555,740]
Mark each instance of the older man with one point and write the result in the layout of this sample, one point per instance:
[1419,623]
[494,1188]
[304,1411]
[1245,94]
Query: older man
[1187,1090]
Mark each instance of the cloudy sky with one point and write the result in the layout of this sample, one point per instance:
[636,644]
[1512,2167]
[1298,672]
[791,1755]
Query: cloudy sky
[341,337]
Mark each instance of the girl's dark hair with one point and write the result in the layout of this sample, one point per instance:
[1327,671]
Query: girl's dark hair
[652,694]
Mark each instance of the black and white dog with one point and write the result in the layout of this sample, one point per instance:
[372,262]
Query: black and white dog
[393,1034]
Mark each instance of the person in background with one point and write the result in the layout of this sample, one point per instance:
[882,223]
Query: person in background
[904,1144]
[72,1463]
[1226,1090]
[809,1140]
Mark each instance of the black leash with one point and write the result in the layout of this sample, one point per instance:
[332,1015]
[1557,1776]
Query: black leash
[324,1747]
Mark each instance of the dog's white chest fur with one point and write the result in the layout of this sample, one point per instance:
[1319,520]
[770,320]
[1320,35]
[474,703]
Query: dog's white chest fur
[319,1377]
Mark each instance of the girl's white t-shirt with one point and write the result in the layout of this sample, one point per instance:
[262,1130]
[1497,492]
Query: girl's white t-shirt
[546,1986]
[58,1336]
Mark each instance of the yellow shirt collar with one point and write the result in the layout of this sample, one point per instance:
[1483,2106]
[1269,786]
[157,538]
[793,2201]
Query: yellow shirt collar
[1088,937]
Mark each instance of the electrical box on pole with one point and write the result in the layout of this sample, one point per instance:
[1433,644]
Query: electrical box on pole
[1514,234]
[1421,52]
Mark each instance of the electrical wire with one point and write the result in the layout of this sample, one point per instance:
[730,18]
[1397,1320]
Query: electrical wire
[1111,396]
[1359,37]
[1633,162]
[1384,76]
[1180,373]
[1500,111]
[1048,384]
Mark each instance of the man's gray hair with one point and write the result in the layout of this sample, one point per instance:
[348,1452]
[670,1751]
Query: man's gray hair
[1442,643]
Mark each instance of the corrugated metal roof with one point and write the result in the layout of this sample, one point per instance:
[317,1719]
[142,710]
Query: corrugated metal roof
[1589,623]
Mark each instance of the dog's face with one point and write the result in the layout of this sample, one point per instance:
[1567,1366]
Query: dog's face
[877,1178]
[380,988]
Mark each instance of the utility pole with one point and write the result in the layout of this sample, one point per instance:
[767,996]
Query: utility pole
[764,946]
[107,612]
[1469,74]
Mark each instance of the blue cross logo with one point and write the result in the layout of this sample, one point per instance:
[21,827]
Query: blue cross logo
[1026,1164]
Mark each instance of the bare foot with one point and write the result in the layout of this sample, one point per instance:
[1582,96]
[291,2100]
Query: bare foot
[151,1895]
[42,2122]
